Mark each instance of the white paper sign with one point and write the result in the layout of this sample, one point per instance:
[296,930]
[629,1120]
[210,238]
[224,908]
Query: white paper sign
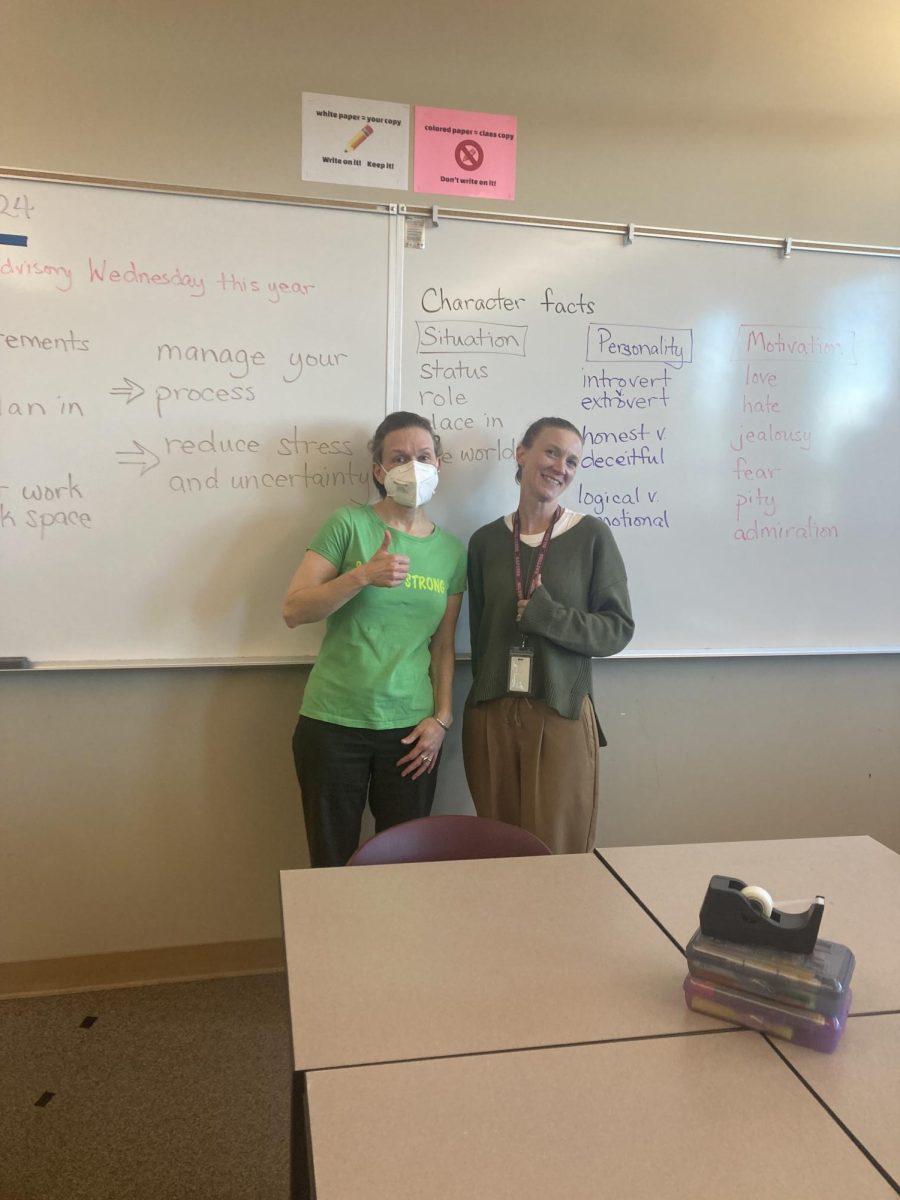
[361,142]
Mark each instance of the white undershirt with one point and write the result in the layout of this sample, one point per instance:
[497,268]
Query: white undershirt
[567,520]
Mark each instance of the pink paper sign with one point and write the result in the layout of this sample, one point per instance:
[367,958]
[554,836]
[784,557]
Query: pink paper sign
[465,153]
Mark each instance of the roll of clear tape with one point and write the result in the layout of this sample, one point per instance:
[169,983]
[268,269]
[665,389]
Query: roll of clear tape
[759,898]
[795,906]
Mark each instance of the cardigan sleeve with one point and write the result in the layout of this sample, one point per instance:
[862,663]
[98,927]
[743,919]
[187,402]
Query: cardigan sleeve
[476,598]
[605,626]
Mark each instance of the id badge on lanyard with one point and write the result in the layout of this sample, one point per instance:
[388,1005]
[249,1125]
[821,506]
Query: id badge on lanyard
[521,662]
[521,657]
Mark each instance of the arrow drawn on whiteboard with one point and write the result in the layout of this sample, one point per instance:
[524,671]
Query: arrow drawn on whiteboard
[133,390]
[138,458]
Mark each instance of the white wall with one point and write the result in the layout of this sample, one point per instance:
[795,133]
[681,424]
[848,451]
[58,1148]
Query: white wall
[154,808]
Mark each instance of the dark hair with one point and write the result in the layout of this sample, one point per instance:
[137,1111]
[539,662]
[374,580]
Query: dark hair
[391,423]
[539,426]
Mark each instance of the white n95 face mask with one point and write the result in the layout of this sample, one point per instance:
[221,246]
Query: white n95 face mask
[412,483]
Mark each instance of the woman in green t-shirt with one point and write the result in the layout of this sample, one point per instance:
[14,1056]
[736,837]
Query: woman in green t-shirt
[377,704]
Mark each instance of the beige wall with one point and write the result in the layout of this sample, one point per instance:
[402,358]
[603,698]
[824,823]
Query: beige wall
[766,118]
[154,808]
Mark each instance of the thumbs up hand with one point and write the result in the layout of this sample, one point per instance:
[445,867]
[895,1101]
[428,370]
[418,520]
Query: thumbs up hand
[385,569]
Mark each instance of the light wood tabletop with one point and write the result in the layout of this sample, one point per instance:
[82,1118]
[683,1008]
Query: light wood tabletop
[675,1117]
[420,960]
[860,1082]
[859,878]
[516,1028]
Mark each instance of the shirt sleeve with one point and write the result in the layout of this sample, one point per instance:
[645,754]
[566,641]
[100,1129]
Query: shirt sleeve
[333,538]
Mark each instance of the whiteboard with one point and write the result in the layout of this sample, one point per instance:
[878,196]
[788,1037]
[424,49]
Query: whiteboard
[741,414]
[187,385]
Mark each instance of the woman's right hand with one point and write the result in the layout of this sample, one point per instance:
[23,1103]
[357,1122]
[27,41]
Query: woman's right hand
[317,590]
[385,569]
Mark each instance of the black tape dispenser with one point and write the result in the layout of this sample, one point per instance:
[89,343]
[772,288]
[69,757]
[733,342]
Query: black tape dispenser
[735,912]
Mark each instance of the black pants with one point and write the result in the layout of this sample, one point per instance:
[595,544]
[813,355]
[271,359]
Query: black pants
[338,769]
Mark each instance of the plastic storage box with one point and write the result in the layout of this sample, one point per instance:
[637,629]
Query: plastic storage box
[812,1029]
[817,982]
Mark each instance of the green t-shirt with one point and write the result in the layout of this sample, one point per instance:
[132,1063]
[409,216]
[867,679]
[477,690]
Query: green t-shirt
[373,667]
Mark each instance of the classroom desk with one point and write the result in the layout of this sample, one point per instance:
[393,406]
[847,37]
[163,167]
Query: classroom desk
[405,981]
[420,960]
[860,1082]
[427,960]
[859,878]
[678,1118]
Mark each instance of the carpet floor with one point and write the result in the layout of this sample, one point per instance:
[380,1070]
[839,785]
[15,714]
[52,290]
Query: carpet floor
[148,1093]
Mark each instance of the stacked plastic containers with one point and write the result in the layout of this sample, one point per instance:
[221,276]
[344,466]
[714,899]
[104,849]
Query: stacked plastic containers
[801,997]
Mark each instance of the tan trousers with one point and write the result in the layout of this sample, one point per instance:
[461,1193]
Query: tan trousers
[528,766]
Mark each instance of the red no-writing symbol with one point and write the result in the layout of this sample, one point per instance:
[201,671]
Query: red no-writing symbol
[469,155]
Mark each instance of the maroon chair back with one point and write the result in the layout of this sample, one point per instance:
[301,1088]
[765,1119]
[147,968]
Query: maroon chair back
[451,836]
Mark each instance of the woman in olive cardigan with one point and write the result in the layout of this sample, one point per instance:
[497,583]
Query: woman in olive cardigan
[531,738]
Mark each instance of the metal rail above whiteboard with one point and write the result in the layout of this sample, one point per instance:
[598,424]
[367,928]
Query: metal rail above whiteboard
[629,231]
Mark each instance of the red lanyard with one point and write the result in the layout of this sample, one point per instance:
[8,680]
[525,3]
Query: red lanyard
[539,561]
